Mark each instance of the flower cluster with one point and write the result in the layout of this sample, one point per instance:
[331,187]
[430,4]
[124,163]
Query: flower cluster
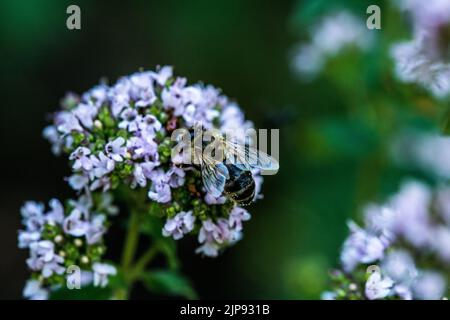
[62,237]
[118,138]
[395,246]
[424,60]
[334,33]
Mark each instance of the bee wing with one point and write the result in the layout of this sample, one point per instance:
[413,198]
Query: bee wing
[214,176]
[246,157]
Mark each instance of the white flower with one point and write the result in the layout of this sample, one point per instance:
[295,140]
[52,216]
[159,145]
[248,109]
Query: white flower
[33,290]
[378,287]
[101,273]
[329,37]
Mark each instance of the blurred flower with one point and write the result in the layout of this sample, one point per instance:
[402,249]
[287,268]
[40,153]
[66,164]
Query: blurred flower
[329,37]
[430,286]
[405,227]
[101,273]
[54,240]
[33,290]
[360,247]
[378,287]
[424,60]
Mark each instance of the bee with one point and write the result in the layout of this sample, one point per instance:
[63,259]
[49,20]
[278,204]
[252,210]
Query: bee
[226,167]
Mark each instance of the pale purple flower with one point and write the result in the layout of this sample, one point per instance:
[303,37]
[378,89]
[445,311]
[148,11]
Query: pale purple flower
[149,125]
[75,225]
[78,182]
[237,216]
[360,247]
[403,291]
[102,165]
[233,123]
[175,177]
[141,89]
[66,122]
[139,177]
[173,97]
[101,273]
[378,287]
[160,192]
[97,95]
[209,249]
[399,266]
[143,147]
[95,229]
[103,182]
[26,238]
[160,189]
[33,215]
[211,200]
[430,285]
[209,232]
[181,224]
[130,119]
[83,204]
[427,15]
[34,291]
[85,113]
[411,207]
[56,215]
[51,134]
[119,96]
[106,204]
[334,33]
[162,75]
[415,65]
[43,258]
[82,159]
[116,150]
[213,236]
[441,242]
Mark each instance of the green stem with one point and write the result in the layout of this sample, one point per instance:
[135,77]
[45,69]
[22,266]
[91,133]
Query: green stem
[143,261]
[131,241]
[129,251]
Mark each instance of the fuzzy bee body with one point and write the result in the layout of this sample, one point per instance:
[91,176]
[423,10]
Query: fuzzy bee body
[240,186]
[231,175]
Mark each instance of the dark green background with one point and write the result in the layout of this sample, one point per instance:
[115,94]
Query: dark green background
[330,160]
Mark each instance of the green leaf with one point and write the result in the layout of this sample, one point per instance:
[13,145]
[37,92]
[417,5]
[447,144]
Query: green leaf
[168,283]
[86,293]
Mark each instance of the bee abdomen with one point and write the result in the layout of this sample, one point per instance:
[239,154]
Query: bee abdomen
[241,188]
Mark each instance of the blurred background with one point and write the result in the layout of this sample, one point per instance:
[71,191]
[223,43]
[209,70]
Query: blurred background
[333,131]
